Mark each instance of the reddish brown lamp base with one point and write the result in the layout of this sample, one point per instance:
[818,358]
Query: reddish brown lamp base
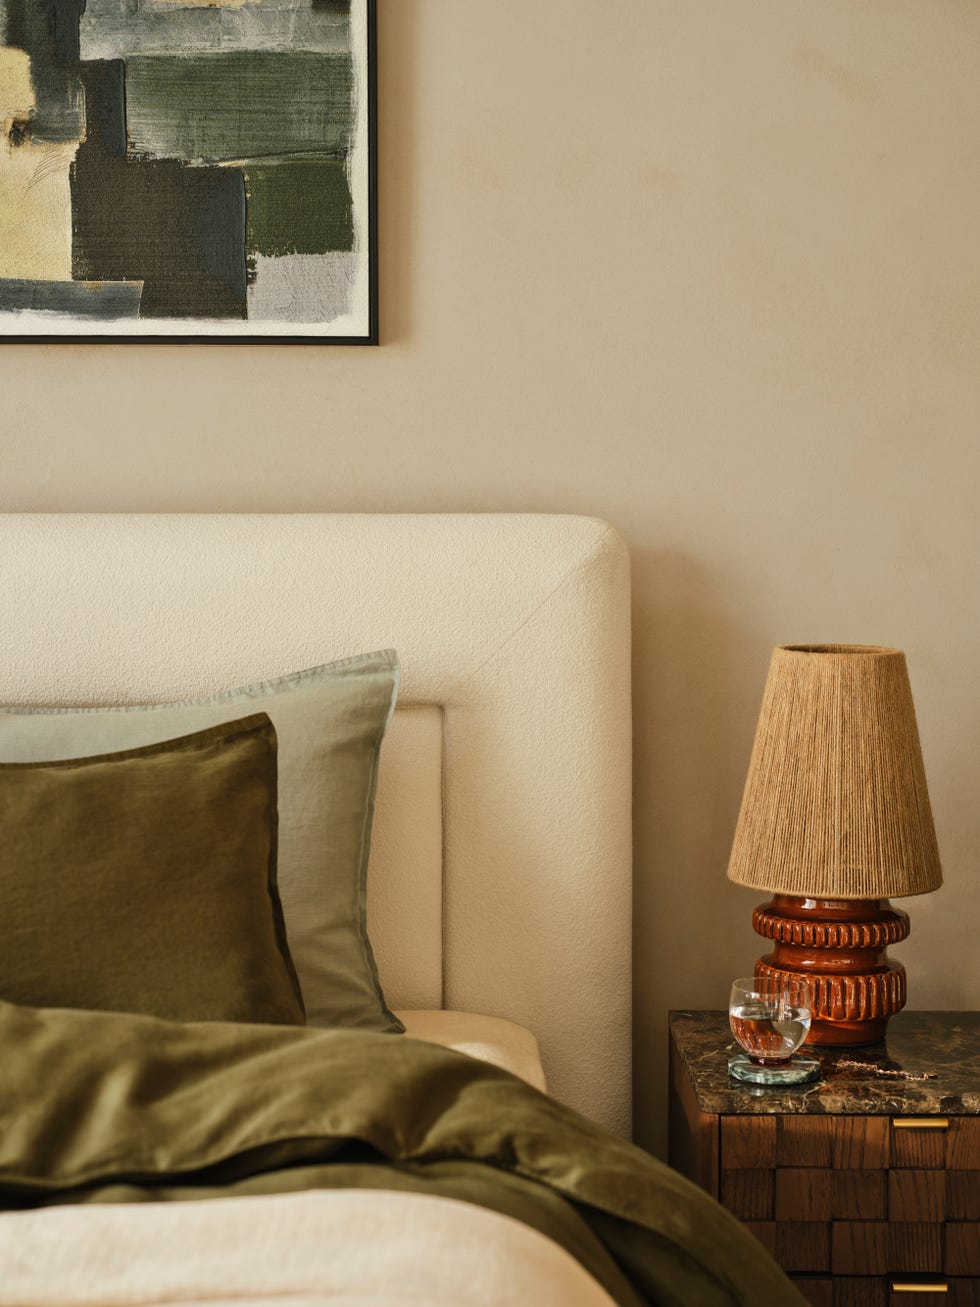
[840,946]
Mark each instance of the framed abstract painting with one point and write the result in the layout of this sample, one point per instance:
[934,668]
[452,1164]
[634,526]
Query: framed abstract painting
[188,170]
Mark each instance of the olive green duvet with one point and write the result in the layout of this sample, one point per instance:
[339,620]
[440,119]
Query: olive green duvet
[100,1107]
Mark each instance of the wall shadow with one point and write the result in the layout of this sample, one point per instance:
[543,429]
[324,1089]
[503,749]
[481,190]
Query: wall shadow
[398,154]
[698,675]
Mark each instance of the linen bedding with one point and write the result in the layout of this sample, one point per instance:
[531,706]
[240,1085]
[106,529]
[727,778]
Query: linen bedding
[147,1161]
[343,1246]
[111,1108]
[329,722]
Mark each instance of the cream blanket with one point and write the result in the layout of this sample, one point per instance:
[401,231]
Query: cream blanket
[335,1247]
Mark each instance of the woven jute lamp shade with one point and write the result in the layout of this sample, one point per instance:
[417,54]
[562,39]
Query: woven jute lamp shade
[835,802]
[836,819]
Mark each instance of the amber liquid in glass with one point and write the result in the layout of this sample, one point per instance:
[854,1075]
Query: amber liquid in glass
[769,1034]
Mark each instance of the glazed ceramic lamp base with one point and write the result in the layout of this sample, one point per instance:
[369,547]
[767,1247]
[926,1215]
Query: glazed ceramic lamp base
[841,947]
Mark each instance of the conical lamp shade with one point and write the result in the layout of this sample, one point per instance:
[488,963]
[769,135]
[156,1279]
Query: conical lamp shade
[835,803]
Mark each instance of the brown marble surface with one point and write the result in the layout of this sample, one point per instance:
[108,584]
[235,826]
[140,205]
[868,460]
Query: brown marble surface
[930,1064]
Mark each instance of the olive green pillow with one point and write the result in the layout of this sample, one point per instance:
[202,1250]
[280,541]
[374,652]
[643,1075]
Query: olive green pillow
[145,881]
[330,721]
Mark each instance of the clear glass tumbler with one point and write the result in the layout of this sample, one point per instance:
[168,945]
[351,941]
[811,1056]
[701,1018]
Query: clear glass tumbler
[770,1019]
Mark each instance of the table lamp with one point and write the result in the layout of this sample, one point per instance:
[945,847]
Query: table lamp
[835,820]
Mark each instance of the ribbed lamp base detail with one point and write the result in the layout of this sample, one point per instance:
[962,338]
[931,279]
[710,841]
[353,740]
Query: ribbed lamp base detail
[840,946]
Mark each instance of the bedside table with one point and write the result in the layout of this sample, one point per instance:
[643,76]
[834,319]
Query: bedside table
[864,1185]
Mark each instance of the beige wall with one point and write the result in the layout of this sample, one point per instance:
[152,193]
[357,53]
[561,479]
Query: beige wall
[709,269]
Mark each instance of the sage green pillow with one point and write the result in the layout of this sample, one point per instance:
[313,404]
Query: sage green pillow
[145,881]
[330,721]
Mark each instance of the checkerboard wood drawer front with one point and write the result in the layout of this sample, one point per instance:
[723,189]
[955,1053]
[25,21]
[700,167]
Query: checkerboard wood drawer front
[963,1146]
[848,1203]
[864,1186]
[963,1195]
[884,1291]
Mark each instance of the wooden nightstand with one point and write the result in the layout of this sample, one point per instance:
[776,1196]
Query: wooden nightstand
[865,1186]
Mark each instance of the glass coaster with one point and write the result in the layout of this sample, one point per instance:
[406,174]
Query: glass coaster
[800,1070]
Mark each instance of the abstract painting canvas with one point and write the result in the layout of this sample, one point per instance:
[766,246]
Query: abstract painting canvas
[197,170]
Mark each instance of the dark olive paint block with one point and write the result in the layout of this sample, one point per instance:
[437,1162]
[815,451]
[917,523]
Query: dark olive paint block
[240,104]
[298,206]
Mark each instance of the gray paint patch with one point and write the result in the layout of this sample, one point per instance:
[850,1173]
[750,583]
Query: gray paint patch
[115,29]
[302,287]
[107,301]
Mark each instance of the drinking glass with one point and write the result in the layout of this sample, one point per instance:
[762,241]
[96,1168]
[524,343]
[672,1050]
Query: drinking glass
[770,1019]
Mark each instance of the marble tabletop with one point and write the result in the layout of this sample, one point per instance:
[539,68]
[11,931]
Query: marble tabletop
[929,1065]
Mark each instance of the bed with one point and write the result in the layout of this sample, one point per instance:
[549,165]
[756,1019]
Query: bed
[456,1128]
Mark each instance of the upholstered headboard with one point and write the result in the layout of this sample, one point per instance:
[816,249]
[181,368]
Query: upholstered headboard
[500,875]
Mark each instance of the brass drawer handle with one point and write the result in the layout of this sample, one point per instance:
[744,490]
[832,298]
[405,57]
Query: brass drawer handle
[920,1122]
[898,1287]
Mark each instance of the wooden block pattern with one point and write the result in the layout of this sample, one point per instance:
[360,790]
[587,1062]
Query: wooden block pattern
[858,1195]
[917,1195]
[963,1195]
[962,1248]
[962,1293]
[963,1144]
[748,1194]
[803,1245]
[817,1290]
[802,1194]
[859,1248]
[748,1141]
[922,1149]
[765,1232]
[860,1291]
[914,1247]
[804,1141]
[861,1143]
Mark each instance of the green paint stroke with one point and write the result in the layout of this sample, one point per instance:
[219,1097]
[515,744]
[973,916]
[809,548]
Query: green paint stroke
[240,104]
[298,206]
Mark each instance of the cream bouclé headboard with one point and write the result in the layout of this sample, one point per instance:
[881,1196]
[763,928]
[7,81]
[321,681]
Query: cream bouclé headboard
[500,873]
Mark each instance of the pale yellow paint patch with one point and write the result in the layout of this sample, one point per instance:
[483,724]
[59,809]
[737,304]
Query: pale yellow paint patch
[35,202]
[16,91]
